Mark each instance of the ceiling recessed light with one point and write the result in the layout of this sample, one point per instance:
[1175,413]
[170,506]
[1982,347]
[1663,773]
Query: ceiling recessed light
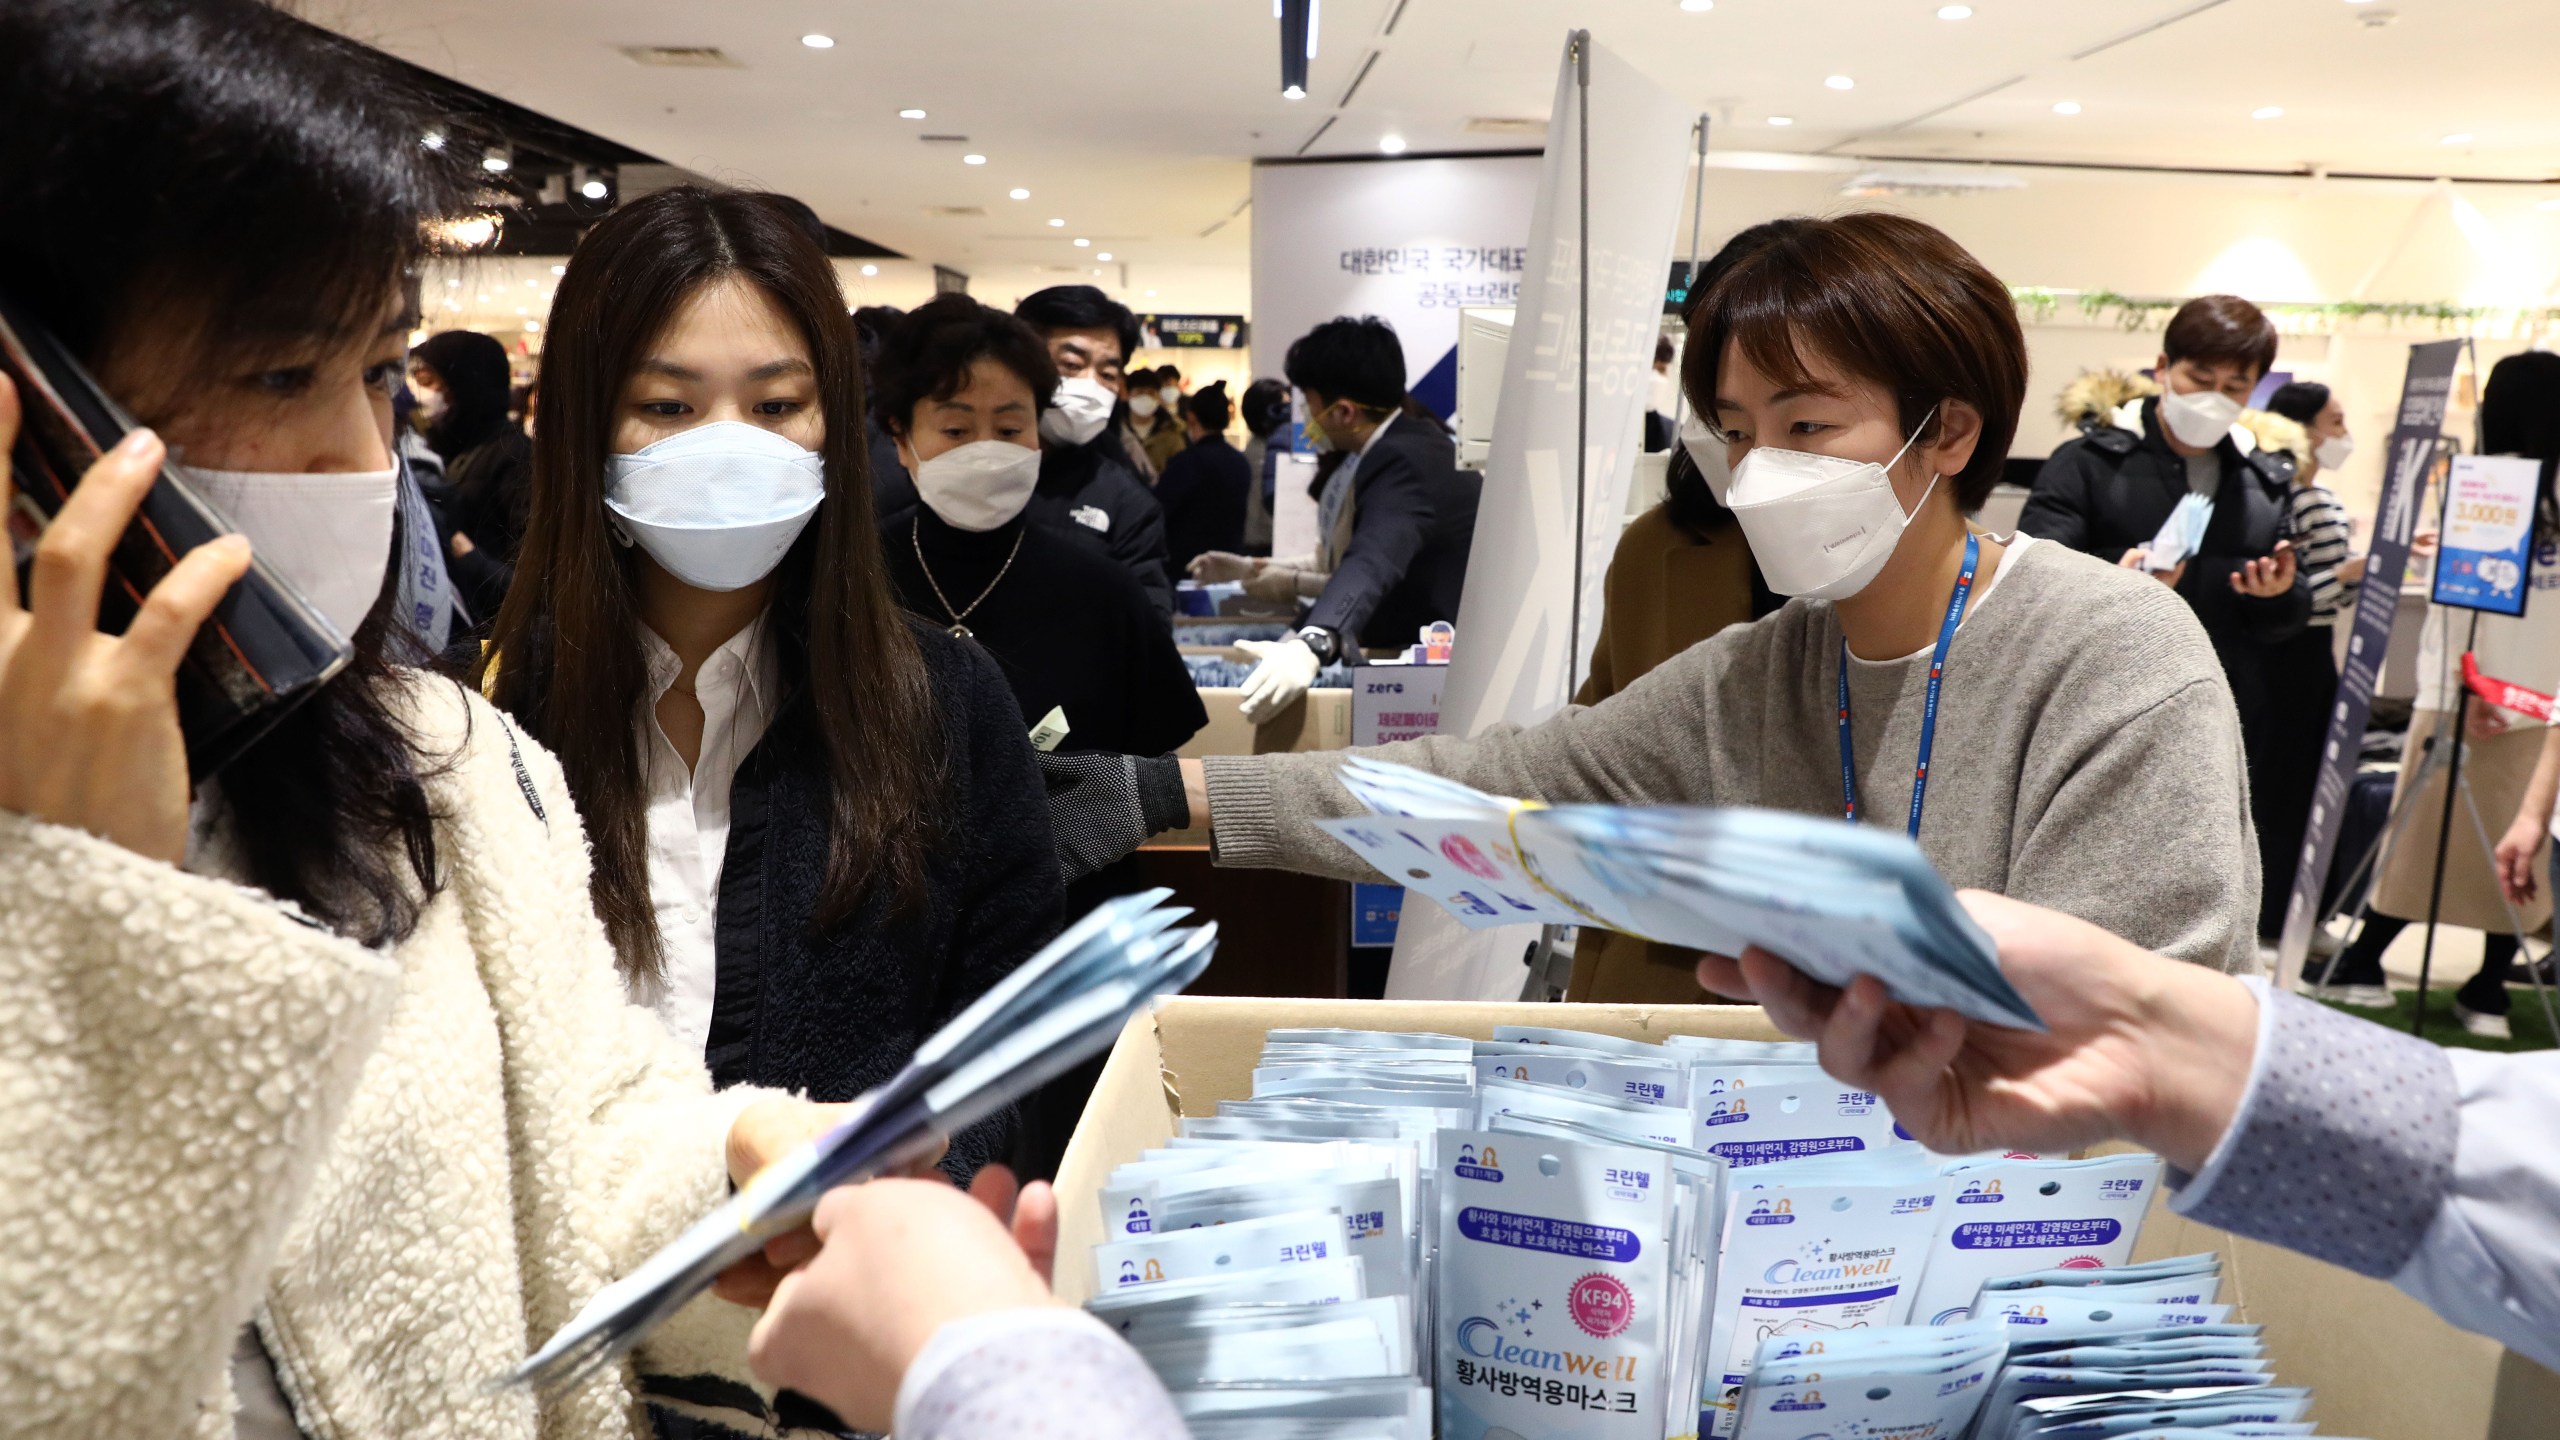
[1696,7]
[973,159]
[1294,92]
[1955,12]
[1018,193]
[819,42]
[2458,137]
[1840,82]
[911,113]
[1082,242]
[2267,112]
[594,190]
[1782,119]
[559,269]
[532,325]
[1391,145]
[497,160]
[1057,224]
[1102,255]
[870,269]
[2066,107]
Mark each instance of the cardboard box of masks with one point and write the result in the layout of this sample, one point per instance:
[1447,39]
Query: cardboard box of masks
[2381,1366]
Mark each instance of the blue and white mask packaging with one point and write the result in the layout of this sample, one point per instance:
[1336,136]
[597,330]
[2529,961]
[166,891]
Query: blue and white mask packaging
[1224,1249]
[1869,1383]
[1634,1081]
[1554,1280]
[1642,1124]
[2008,1216]
[1762,1124]
[1812,1259]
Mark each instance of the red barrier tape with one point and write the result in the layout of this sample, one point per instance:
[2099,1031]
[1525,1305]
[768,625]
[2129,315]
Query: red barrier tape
[2531,703]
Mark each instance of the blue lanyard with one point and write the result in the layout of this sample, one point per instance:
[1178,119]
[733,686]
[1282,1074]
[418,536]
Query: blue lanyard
[1928,712]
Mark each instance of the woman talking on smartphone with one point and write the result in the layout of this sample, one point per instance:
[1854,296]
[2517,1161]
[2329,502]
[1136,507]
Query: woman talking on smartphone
[818,826]
[323,1095]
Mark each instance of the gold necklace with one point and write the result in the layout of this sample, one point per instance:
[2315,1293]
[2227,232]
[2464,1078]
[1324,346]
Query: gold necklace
[958,630]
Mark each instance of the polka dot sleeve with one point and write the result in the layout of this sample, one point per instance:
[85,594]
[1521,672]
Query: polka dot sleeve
[1048,1374]
[2343,1148]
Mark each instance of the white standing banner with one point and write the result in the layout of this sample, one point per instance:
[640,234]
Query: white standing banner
[1409,241]
[1522,638]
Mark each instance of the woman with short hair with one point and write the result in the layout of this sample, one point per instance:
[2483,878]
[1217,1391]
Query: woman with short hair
[1862,376]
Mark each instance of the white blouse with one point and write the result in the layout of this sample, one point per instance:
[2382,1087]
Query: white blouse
[738,687]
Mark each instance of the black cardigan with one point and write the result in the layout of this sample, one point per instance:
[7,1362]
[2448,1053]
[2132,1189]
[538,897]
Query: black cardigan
[832,1014]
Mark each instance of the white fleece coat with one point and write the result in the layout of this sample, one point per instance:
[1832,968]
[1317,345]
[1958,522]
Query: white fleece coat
[408,1167]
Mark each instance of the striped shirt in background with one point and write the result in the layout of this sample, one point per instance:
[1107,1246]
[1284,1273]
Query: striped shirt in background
[2317,525]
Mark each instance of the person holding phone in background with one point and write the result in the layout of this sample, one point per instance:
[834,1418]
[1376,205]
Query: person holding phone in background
[323,1092]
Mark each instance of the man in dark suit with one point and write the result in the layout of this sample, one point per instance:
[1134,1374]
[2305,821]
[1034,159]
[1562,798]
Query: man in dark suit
[1203,488]
[1393,522]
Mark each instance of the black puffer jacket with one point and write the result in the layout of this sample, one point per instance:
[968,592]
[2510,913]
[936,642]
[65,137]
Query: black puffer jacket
[2111,490]
[835,1012]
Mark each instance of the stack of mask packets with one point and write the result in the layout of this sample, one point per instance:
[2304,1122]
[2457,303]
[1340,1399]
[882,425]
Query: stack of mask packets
[2138,1352]
[2181,535]
[1837,900]
[1597,1237]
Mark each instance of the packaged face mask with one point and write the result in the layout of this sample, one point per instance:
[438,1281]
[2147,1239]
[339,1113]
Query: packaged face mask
[1347,1347]
[1712,1050]
[1320,1282]
[1553,1280]
[1808,1261]
[1653,1124]
[2206,1266]
[1369,1040]
[1878,1389]
[1762,1124]
[1577,1040]
[1224,1249]
[1641,1082]
[2011,1216]
[1373,1217]
[2099,1417]
[2061,1314]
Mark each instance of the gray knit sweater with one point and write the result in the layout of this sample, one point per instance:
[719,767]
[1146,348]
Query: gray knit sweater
[2088,754]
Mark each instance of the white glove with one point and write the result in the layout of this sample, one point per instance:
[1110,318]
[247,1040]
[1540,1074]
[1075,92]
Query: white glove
[1288,667]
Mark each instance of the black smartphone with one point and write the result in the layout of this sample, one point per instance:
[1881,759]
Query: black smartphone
[265,649]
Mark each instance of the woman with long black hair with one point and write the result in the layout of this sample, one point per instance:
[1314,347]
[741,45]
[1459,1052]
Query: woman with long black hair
[323,1096]
[818,826]
[462,381]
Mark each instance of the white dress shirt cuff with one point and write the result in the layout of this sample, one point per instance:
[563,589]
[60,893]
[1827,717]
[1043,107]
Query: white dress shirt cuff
[959,1339]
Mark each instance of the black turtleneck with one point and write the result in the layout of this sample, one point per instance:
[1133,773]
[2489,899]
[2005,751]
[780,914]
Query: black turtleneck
[1067,625]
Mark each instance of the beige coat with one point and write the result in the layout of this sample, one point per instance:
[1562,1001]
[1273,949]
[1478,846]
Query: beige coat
[407,1167]
[2496,771]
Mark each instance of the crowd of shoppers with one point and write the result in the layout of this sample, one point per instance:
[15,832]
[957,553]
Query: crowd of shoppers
[486,971]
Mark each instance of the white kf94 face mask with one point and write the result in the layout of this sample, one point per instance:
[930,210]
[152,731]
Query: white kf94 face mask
[980,485]
[1820,525]
[1706,449]
[328,535]
[717,505]
[2200,418]
[2332,453]
[1078,411]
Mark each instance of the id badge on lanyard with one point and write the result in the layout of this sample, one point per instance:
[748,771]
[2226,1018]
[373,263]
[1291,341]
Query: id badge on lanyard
[1928,711]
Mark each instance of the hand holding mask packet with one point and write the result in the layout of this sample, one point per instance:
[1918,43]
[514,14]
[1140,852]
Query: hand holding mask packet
[1066,1003]
[268,645]
[1837,901]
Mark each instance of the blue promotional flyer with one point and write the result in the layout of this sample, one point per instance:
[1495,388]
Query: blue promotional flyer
[2487,549]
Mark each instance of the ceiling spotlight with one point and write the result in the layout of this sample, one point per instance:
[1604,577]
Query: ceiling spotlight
[973,159]
[1102,255]
[819,42]
[1057,224]
[559,269]
[870,269]
[433,139]
[2267,112]
[1391,145]
[1293,92]
[1018,193]
[1841,82]
[1782,119]
[1697,7]
[1082,242]
[910,113]
[2458,137]
[2066,107]
[532,326]
[1955,12]
[498,160]
[594,190]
